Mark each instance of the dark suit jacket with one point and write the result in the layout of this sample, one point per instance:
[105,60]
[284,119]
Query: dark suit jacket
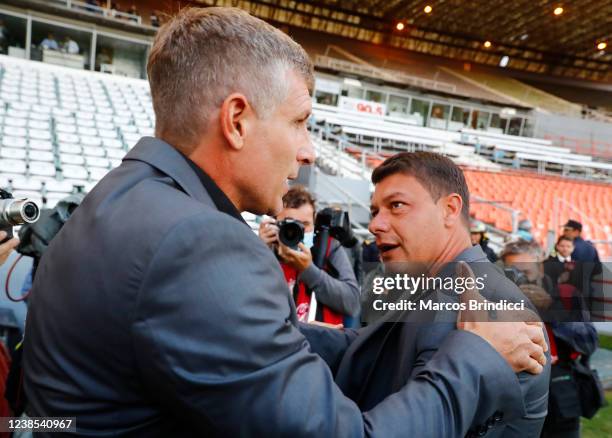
[385,356]
[155,314]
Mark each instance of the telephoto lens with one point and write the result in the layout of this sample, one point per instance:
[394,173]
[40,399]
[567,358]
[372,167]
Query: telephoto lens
[18,212]
[15,212]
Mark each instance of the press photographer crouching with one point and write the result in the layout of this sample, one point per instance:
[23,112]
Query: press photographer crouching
[575,389]
[336,289]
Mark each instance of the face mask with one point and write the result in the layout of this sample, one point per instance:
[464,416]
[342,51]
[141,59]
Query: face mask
[308,239]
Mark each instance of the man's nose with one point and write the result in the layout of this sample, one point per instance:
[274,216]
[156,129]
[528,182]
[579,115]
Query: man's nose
[306,152]
[378,224]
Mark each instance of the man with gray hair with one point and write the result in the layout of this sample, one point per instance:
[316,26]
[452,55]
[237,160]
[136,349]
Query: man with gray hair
[157,312]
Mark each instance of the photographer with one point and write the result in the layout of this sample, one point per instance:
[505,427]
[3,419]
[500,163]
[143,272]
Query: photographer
[336,288]
[572,341]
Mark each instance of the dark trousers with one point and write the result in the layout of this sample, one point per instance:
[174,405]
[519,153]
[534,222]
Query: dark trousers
[561,428]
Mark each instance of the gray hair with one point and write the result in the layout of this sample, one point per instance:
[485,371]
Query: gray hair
[521,246]
[202,55]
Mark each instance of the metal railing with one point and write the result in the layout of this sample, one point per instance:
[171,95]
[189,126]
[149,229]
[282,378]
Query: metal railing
[382,73]
[514,214]
[82,6]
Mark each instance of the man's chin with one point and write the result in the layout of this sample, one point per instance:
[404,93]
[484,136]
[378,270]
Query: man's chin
[397,265]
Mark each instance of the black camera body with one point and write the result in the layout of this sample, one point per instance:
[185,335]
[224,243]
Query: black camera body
[16,212]
[290,232]
[337,222]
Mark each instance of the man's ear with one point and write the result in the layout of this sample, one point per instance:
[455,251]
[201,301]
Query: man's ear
[235,117]
[452,204]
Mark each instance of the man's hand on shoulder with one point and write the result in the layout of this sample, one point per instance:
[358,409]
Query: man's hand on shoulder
[517,336]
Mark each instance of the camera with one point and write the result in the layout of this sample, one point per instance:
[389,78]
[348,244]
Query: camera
[337,222]
[516,276]
[16,212]
[290,232]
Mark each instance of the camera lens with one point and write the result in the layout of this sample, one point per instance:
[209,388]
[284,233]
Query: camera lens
[290,233]
[30,211]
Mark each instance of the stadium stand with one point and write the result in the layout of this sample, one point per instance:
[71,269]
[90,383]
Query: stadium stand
[545,201]
[519,92]
[389,134]
[64,129]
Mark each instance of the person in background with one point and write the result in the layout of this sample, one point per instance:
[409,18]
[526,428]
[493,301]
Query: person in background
[572,340]
[70,46]
[4,38]
[524,230]
[337,290]
[49,43]
[134,12]
[584,254]
[560,266]
[478,235]
[154,19]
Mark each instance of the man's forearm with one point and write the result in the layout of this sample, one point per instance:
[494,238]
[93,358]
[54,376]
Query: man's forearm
[330,344]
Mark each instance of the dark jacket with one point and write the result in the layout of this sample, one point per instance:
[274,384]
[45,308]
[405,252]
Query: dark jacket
[386,355]
[155,313]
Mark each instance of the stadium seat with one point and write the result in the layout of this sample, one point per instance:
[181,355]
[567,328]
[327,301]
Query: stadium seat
[15,142]
[41,168]
[12,166]
[77,160]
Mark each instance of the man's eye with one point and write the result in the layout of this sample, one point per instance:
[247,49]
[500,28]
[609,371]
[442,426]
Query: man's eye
[397,204]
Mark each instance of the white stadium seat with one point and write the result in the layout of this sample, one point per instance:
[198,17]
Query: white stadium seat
[97,173]
[115,153]
[14,121]
[94,151]
[72,159]
[67,138]
[90,141]
[107,133]
[27,184]
[14,142]
[38,124]
[15,131]
[41,156]
[75,172]
[97,162]
[42,145]
[62,127]
[131,138]
[40,134]
[85,115]
[112,143]
[59,186]
[105,125]
[65,120]
[70,148]
[87,131]
[13,166]
[13,153]
[40,168]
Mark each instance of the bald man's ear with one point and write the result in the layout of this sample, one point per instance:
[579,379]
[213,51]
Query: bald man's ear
[235,117]
[452,204]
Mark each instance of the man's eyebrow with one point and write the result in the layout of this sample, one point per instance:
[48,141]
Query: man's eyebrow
[393,195]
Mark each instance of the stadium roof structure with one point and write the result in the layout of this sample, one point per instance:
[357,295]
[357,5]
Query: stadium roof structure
[541,36]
